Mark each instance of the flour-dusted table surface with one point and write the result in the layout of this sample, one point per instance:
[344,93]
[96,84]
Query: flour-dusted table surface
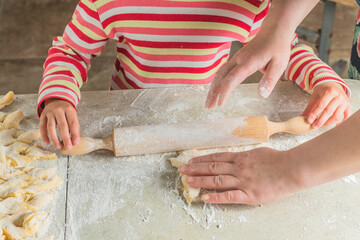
[135,197]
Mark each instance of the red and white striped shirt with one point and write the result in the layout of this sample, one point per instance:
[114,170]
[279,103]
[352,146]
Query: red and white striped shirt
[160,43]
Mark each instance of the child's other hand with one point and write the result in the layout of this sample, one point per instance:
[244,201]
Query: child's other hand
[63,114]
[267,52]
[328,104]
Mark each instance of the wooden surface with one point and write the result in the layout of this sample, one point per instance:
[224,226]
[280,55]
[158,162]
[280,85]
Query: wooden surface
[131,198]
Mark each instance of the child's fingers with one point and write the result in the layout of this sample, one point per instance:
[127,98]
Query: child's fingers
[51,128]
[326,113]
[64,130]
[236,196]
[347,112]
[337,116]
[74,126]
[43,132]
[317,108]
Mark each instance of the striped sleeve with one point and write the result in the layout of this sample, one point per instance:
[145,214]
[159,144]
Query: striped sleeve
[308,71]
[65,69]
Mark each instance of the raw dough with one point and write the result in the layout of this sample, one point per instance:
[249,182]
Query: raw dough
[7,99]
[190,194]
[11,120]
[24,191]
[9,136]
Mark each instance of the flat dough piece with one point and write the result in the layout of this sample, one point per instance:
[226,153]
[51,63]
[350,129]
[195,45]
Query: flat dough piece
[7,99]
[10,136]
[189,193]
[22,225]
[11,120]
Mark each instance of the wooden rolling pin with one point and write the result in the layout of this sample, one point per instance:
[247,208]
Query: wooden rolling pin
[190,135]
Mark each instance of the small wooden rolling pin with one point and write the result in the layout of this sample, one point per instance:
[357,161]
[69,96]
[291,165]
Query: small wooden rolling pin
[190,135]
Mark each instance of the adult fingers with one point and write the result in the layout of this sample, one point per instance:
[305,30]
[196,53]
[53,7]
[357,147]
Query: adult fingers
[271,76]
[327,113]
[214,157]
[217,82]
[64,130]
[207,169]
[236,76]
[223,182]
[73,122]
[51,128]
[43,131]
[236,196]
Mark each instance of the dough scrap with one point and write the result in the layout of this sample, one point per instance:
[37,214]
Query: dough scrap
[24,190]
[19,154]
[7,99]
[11,120]
[10,136]
[22,224]
[190,194]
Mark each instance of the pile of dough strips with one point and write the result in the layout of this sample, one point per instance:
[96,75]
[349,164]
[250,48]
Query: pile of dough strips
[25,191]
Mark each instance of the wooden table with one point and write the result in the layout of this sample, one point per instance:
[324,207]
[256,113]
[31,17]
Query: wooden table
[104,197]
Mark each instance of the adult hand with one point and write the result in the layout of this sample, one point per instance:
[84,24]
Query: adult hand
[328,104]
[59,113]
[267,53]
[253,177]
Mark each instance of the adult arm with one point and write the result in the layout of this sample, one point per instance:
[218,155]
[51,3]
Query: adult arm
[263,175]
[268,51]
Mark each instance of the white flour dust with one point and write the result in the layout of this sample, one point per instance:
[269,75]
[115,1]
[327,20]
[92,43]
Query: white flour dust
[350,179]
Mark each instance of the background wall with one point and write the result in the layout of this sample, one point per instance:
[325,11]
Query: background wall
[27,28]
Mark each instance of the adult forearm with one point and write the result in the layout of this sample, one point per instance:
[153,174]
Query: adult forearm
[285,15]
[330,156]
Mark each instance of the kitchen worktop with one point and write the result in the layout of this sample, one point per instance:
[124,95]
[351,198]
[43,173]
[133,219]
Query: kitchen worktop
[107,197]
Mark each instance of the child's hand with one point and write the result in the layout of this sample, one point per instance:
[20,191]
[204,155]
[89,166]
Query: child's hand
[63,114]
[328,104]
[253,177]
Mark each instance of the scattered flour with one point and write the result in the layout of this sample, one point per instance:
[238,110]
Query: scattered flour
[350,179]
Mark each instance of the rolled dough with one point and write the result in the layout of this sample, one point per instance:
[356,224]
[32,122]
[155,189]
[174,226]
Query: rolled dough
[190,194]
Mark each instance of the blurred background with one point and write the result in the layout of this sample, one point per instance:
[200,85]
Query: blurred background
[27,28]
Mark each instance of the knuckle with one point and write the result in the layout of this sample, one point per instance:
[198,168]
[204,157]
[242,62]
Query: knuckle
[217,181]
[332,91]
[73,124]
[213,167]
[328,111]
[229,196]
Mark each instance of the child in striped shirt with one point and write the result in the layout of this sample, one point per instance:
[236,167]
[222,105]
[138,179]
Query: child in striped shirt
[164,43]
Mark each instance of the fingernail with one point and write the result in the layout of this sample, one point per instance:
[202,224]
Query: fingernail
[206,197]
[311,120]
[189,179]
[264,90]
[315,126]
[58,146]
